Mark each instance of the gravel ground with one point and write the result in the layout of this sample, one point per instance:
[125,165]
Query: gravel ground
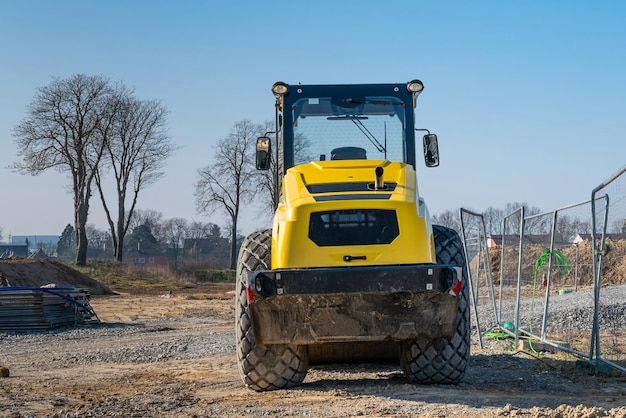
[570,312]
[182,365]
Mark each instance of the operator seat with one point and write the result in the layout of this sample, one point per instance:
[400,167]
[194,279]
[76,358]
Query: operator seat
[348,153]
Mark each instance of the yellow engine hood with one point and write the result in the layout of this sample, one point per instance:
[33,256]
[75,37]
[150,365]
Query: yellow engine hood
[346,185]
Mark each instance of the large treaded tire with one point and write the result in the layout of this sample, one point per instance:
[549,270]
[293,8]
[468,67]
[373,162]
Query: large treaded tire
[262,367]
[442,360]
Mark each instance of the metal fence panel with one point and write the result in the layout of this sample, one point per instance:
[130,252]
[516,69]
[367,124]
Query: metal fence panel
[561,275]
[482,292]
[609,245]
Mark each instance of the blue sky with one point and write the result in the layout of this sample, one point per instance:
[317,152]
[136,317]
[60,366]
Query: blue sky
[527,98]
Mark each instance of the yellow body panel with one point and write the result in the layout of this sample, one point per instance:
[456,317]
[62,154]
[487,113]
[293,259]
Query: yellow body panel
[291,246]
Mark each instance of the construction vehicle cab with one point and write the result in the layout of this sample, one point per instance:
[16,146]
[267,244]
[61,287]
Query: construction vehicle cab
[357,121]
[352,268]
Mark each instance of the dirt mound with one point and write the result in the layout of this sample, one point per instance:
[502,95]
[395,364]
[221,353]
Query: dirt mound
[579,257]
[37,273]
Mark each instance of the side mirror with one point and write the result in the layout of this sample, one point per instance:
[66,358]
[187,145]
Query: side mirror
[431,150]
[263,153]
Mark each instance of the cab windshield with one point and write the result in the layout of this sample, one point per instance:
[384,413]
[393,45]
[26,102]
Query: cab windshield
[370,128]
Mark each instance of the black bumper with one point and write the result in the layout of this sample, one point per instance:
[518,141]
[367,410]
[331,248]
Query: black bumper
[387,303]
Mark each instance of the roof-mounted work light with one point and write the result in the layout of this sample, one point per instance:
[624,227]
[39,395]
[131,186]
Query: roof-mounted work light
[415,86]
[279,88]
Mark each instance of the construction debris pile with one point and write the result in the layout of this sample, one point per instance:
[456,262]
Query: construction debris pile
[33,309]
[39,294]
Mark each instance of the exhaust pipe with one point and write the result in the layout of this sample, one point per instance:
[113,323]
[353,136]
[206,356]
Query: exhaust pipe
[379,183]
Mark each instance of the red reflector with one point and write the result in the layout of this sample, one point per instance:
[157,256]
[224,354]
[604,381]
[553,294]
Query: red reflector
[250,295]
[457,288]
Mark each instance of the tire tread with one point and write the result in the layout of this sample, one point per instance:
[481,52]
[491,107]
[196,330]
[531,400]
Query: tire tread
[262,367]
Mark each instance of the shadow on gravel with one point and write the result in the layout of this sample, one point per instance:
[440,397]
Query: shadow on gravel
[490,380]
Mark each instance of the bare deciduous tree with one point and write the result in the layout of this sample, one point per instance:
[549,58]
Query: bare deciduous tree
[229,180]
[493,220]
[136,149]
[534,225]
[567,227]
[449,219]
[63,131]
[174,231]
[100,241]
[200,230]
[617,227]
[150,217]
